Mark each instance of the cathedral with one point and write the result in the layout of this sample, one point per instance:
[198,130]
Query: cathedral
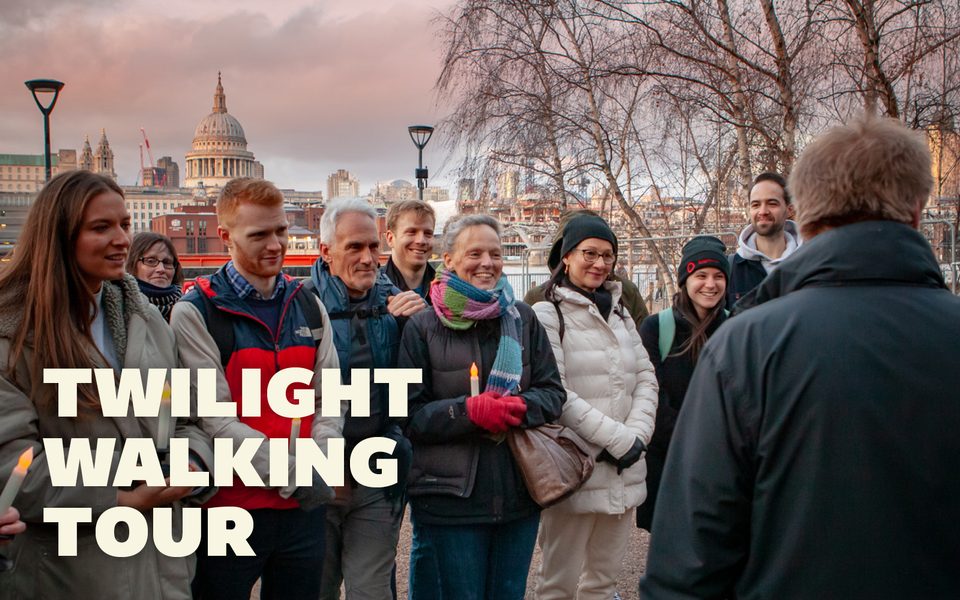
[219,151]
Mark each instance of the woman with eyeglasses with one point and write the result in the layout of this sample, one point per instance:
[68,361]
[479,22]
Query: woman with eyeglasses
[611,403]
[153,261]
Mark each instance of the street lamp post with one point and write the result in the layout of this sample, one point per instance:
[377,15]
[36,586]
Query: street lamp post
[45,86]
[420,134]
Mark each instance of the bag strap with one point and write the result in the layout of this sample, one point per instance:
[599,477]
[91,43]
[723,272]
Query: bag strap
[556,306]
[219,326]
[668,330]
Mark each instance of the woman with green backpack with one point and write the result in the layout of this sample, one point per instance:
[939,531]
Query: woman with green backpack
[673,339]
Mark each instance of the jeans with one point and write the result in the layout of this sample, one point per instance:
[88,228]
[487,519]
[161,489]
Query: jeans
[478,562]
[424,575]
[288,547]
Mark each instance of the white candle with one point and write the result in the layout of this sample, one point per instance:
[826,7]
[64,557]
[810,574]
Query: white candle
[163,427]
[474,380]
[294,432]
[16,478]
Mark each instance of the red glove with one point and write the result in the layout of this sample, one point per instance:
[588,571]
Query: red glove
[495,414]
[518,406]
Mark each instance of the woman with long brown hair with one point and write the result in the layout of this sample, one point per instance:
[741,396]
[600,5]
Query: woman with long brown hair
[66,302]
[673,339]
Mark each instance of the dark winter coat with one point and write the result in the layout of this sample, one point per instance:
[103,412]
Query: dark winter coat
[460,475]
[396,277]
[745,275]
[816,454]
[673,376]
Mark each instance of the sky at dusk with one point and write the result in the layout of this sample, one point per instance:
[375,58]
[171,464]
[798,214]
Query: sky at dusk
[317,86]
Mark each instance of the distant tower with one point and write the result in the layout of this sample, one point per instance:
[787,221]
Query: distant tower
[103,157]
[86,156]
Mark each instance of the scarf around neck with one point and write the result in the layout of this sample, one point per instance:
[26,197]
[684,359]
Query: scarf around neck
[162,297]
[459,305]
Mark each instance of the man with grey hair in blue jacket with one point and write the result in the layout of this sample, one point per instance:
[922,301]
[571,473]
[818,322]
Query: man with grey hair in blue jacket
[363,524]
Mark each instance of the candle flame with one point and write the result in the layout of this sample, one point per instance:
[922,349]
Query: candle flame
[473,370]
[296,420]
[165,396]
[25,459]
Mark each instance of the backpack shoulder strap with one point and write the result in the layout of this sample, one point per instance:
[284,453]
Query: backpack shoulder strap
[556,306]
[219,326]
[668,330]
[308,305]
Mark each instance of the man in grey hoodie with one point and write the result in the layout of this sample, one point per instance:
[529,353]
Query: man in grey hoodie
[769,239]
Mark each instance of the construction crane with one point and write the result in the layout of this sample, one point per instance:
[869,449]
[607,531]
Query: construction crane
[159,175]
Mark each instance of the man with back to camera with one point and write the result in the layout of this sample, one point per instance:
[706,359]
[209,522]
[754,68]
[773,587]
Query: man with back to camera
[363,525]
[250,315]
[769,238]
[837,477]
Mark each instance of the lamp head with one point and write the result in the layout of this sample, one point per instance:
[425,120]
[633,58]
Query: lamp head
[44,86]
[420,134]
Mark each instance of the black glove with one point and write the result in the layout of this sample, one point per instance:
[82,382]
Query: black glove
[403,454]
[315,496]
[632,456]
[607,457]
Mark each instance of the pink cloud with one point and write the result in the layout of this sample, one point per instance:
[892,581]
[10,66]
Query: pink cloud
[313,93]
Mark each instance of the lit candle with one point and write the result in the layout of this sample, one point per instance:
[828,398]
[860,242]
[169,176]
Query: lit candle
[16,478]
[294,432]
[163,427]
[474,380]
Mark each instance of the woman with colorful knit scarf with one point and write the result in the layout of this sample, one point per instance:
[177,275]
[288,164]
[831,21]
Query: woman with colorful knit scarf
[471,512]
[153,261]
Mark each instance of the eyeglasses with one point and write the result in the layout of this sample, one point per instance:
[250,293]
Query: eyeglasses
[591,256]
[152,262]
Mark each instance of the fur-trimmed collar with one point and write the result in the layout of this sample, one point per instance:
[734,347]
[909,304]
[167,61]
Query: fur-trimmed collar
[121,299]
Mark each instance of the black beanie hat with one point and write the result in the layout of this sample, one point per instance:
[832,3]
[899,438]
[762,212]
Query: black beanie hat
[577,229]
[700,252]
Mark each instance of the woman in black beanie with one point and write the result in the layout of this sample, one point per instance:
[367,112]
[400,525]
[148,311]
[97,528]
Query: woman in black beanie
[611,403]
[699,307]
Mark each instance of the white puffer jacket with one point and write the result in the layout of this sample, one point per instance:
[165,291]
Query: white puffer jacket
[611,395]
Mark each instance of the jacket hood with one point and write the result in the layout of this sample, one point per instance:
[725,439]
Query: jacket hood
[859,254]
[747,243]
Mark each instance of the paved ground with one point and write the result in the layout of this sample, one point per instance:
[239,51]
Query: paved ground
[633,565]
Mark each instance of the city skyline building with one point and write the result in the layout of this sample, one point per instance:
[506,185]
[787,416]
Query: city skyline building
[341,184]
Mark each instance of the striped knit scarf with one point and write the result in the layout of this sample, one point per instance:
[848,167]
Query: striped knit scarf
[460,305]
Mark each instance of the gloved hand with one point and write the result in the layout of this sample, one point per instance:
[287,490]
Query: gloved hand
[632,456]
[518,406]
[315,496]
[606,457]
[494,413]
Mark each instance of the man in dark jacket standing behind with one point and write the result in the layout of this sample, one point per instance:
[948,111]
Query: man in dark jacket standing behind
[836,477]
